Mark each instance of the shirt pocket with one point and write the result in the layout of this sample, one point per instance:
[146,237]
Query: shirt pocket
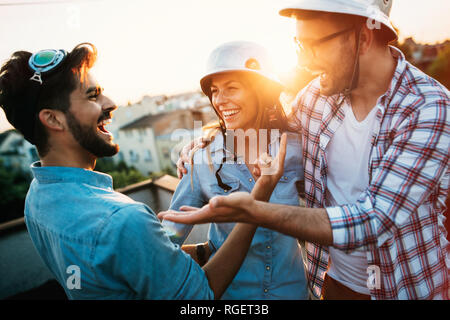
[219,231]
[215,190]
[287,187]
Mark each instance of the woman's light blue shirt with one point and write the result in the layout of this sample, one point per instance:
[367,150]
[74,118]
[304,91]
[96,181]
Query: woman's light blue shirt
[273,268]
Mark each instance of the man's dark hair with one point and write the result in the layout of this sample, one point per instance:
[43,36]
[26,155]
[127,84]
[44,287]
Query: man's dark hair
[19,99]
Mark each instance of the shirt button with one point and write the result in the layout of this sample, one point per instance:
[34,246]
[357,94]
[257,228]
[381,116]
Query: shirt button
[268,247]
[267,268]
[285,178]
[250,179]
[265,290]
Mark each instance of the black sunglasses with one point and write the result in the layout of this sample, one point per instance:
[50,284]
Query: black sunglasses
[308,46]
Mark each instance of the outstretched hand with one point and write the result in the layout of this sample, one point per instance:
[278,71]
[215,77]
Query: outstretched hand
[238,206]
[235,207]
[268,170]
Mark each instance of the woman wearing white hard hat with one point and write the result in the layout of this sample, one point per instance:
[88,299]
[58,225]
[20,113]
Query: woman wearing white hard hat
[245,95]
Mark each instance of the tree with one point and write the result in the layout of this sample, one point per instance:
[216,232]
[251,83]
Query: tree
[440,68]
[14,186]
[167,170]
[121,173]
[122,179]
[405,49]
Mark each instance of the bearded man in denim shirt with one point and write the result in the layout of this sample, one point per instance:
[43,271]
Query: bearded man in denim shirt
[74,217]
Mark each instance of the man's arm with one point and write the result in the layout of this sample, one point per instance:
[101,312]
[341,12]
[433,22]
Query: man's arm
[310,224]
[413,168]
[408,172]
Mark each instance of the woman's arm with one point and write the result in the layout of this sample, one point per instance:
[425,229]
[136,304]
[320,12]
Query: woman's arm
[222,268]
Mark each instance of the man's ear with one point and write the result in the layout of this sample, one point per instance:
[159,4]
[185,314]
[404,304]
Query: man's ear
[367,38]
[52,119]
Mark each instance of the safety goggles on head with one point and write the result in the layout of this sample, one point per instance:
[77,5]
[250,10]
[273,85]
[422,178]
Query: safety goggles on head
[45,61]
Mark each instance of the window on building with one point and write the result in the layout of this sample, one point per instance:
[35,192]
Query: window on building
[166,152]
[148,156]
[134,156]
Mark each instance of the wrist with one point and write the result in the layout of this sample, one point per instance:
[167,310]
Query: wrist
[255,212]
[263,189]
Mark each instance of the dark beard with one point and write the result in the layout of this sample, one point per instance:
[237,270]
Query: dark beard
[342,74]
[87,137]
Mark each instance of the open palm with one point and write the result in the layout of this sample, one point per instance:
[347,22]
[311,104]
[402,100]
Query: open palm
[236,207]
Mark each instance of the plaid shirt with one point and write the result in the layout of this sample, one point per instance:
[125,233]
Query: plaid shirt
[398,220]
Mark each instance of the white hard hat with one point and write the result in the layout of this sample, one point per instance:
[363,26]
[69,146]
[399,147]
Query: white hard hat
[241,56]
[377,11]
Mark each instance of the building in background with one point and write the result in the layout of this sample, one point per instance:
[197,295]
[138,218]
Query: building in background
[147,143]
[423,55]
[143,131]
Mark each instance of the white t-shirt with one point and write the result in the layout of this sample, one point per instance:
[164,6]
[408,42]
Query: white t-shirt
[347,177]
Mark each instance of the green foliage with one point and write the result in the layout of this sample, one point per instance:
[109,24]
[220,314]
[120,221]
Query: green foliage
[440,68]
[167,170]
[122,174]
[125,178]
[14,186]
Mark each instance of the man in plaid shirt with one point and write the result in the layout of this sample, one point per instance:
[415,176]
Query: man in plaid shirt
[397,218]
[375,150]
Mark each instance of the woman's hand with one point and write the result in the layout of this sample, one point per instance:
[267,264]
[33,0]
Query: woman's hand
[238,206]
[269,171]
[185,155]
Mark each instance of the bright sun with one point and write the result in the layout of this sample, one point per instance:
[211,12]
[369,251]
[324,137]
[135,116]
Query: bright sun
[284,58]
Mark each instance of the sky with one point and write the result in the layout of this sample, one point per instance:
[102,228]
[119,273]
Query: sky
[161,46]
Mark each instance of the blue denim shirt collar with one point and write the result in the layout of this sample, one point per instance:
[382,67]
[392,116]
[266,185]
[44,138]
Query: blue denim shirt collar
[70,174]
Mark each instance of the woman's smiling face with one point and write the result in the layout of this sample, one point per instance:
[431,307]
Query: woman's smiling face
[234,100]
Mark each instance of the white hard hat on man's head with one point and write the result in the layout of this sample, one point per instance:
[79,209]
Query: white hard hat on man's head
[239,56]
[376,11]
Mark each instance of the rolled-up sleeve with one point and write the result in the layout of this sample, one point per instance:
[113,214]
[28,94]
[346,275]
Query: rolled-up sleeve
[410,170]
[134,249]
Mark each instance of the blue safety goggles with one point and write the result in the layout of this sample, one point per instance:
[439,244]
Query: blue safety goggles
[45,61]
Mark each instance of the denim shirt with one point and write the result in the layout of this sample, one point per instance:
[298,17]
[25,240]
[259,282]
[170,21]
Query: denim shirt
[78,223]
[273,268]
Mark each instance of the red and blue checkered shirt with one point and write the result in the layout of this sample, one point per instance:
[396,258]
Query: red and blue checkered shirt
[398,220]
